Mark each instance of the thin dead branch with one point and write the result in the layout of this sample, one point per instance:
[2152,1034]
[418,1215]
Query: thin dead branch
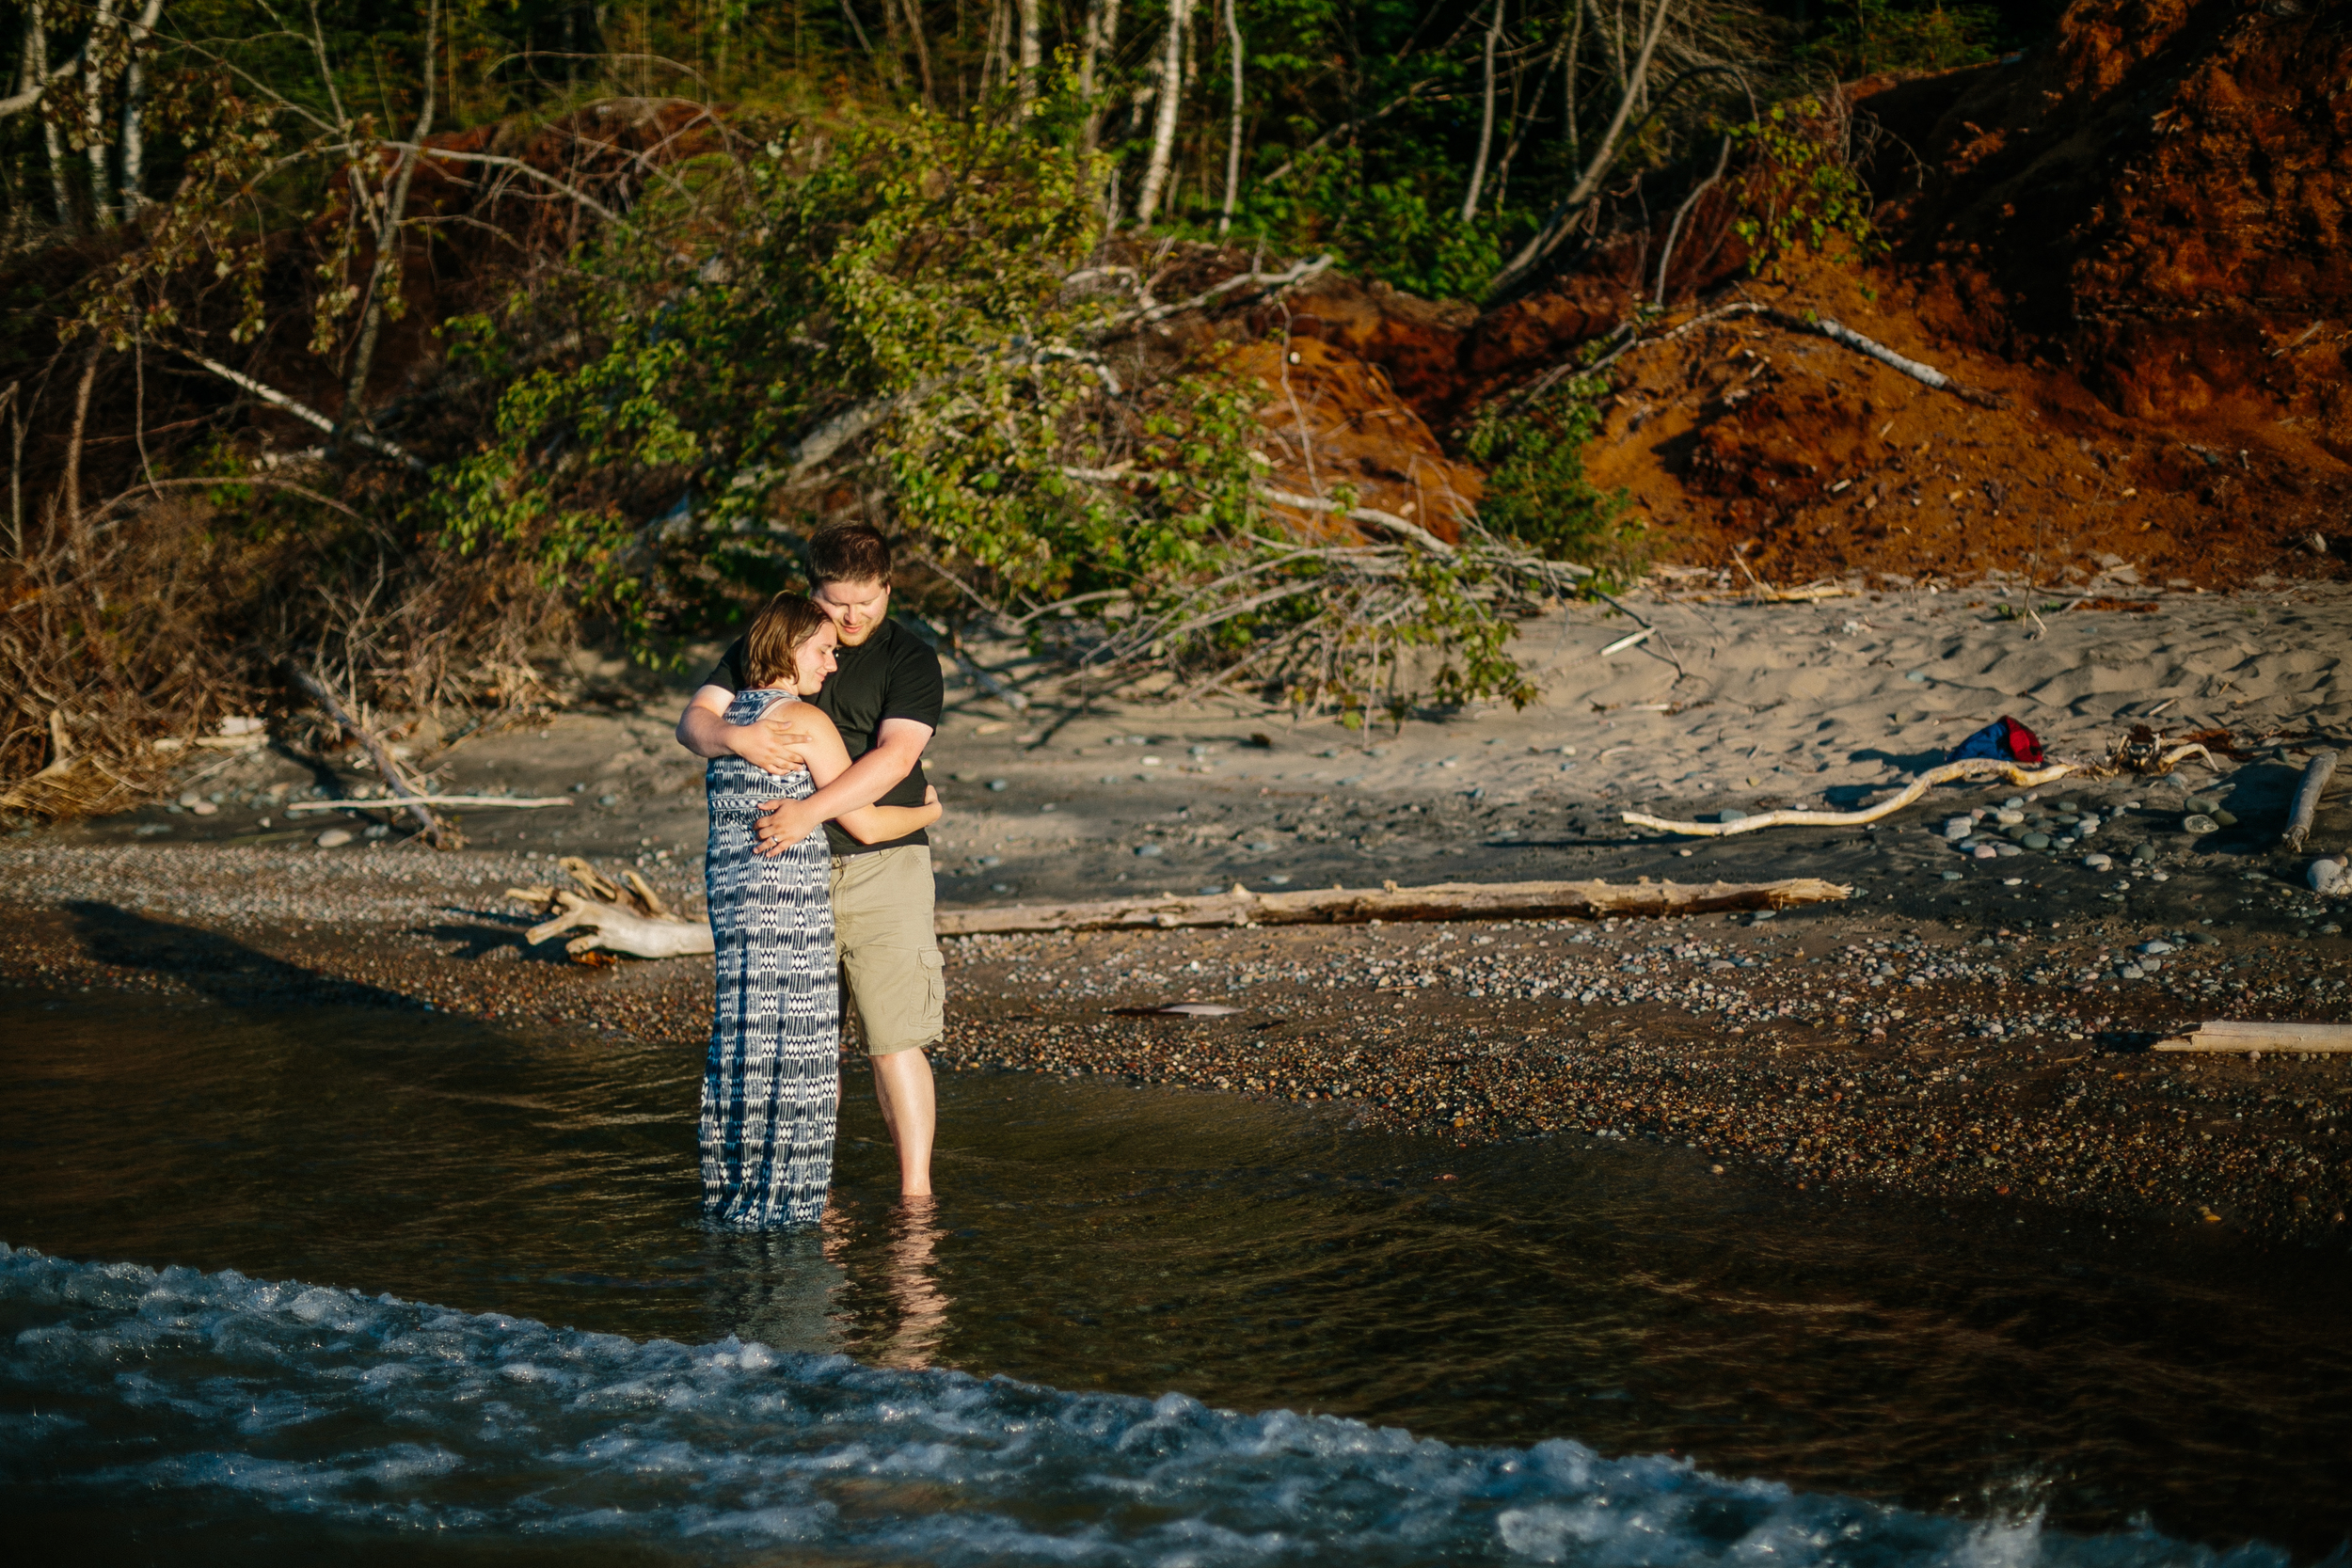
[1973,768]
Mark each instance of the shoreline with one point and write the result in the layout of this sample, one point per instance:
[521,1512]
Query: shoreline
[1840,1049]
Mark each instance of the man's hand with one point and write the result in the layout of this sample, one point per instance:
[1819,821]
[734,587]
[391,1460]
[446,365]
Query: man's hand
[784,823]
[773,745]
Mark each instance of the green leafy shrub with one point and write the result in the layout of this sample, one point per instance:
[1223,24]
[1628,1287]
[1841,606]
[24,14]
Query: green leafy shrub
[1537,491]
[1799,189]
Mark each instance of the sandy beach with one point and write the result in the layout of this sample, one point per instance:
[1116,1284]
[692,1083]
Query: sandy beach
[1964,1029]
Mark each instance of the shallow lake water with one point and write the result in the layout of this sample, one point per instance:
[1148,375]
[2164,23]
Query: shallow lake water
[472,1315]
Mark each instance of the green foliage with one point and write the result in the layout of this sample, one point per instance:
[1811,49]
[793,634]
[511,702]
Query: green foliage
[901,289]
[1405,232]
[1800,190]
[911,321]
[1862,37]
[1537,491]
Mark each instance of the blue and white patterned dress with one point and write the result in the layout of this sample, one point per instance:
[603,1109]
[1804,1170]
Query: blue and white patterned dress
[772,1079]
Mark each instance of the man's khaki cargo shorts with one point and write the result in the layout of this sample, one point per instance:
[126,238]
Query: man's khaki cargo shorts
[890,963]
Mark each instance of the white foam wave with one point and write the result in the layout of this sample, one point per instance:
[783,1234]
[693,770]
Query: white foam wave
[229,1393]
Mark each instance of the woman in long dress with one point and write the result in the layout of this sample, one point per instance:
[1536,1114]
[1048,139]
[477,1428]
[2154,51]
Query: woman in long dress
[771,1078]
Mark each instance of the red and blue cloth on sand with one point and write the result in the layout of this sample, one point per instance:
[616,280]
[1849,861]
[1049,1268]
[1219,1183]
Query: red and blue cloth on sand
[2004,738]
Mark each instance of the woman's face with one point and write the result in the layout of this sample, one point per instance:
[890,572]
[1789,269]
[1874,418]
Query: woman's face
[812,661]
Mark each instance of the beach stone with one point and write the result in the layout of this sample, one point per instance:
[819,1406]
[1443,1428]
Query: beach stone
[2130,972]
[2158,946]
[2325,875]
[2097,862]
[2144,853]
[999,783]
[334,838]
[2227,819]
[2197,822]
[2200,804]
[2009,851]
[1953,876]
[1985,852]
[204,808]
[1731,814]
[2204,939]
[1149,851]
[2069,805]
[2036,841]
[1958,827]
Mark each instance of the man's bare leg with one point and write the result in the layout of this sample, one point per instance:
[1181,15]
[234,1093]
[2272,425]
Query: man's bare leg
[902,1083]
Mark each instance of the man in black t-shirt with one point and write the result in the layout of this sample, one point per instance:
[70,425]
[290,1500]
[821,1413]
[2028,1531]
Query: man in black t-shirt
[885,698]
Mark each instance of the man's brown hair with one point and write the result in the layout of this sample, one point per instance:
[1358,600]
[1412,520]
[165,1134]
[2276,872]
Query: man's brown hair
[775,637]
[849,552]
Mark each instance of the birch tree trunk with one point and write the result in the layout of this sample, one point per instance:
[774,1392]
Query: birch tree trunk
[37,52]
[388,240]
[1232,139]
[1485,120]
[95,146]
[1031,46]
[134,188]
[1101,37]
[1163,118]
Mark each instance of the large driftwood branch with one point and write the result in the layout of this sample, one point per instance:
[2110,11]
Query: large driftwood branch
[617,919]
[2315,775]
[2238,1035]
[436,833]
[1974,767]
[1354,906]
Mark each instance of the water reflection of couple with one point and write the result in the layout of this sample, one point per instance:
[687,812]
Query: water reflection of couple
[818,715]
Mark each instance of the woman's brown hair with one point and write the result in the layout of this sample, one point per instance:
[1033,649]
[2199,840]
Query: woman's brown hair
[772,645]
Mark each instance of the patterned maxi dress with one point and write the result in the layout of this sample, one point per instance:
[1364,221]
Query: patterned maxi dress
[772,1076]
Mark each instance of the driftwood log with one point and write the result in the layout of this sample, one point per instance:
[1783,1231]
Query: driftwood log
[1973,768]
[2240,1034]
[1355,906]
[2315,776]
[519,802]
[632,919]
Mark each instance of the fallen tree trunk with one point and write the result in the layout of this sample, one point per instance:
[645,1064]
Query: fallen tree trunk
[1974,767]
[2240,1034]
[1355,906]
[2315,775]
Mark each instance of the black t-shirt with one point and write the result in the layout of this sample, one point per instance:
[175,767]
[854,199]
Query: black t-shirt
[892,675]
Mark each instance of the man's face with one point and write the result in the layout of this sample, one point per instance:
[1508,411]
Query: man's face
[856,608]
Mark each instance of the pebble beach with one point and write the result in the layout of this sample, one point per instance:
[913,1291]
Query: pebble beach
[1971,1024]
